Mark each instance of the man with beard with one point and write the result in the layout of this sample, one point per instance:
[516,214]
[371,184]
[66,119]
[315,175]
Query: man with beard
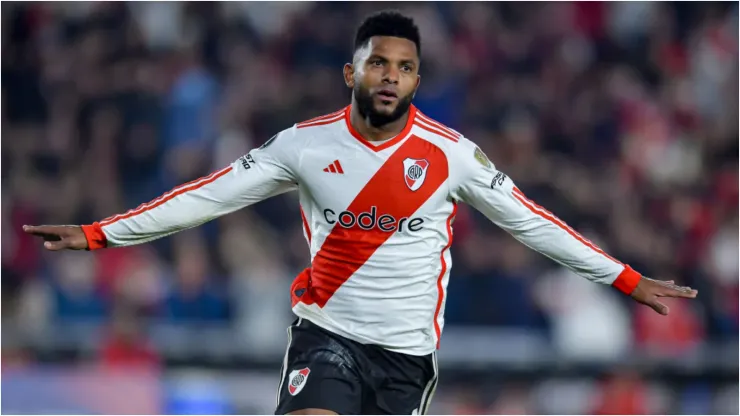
[379,183]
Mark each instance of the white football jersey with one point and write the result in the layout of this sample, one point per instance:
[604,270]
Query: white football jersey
[377,218]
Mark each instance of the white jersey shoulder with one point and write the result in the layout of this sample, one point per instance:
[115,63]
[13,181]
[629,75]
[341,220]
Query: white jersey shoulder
[464,156]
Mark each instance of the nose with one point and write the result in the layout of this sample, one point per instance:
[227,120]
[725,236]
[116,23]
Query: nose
[391,75]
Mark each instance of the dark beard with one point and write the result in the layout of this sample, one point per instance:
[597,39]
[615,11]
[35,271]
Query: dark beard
[367,111]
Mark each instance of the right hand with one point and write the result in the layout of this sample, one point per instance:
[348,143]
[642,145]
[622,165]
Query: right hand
[59,237]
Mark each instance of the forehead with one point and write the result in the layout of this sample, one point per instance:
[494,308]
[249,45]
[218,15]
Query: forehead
[392,47]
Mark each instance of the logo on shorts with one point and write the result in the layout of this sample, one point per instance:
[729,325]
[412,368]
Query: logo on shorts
[415,172]
[296,380]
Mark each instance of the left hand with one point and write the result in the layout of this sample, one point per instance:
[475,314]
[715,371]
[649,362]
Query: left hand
[648,291]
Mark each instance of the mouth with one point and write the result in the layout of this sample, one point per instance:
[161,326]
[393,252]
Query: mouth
[387,95]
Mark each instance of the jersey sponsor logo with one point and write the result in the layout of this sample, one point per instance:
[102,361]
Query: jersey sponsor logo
[481,157]
[247,161]
[297,380]
[498,180]
[371,220]
[415,171]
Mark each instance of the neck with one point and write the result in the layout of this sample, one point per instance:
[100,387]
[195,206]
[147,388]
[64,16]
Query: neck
[375,133]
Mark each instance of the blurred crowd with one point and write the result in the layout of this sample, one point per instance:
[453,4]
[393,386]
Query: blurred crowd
[621,118]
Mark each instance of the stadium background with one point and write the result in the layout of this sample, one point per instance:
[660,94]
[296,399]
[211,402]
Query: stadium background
[619,117]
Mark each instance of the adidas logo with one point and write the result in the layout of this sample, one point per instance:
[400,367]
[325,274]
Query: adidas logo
[335,167]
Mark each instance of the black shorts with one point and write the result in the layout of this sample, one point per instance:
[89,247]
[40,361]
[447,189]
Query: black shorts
[322,370]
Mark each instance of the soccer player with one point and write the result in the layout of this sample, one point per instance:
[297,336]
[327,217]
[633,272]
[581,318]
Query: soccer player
[379,183]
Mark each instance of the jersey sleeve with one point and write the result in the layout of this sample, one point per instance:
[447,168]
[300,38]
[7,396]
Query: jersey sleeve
[477,182]
[262,173]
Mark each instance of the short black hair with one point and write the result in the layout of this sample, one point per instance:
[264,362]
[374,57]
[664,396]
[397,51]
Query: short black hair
[388,23]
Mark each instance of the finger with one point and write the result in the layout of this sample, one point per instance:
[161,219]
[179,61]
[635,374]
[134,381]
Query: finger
[679,292]
[660,308]
[665,283]
[55,245]
[48,233]
[37,229]
[673,287]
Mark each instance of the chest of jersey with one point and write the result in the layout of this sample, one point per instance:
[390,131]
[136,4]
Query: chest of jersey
[354,186]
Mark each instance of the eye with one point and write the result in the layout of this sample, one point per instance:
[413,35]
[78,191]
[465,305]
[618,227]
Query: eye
[406,68]
[376,62]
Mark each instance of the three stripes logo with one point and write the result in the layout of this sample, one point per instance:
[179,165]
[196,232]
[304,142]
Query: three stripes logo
[335,167]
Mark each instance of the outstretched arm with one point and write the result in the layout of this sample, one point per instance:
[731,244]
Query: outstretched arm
[262,173]
[494,194]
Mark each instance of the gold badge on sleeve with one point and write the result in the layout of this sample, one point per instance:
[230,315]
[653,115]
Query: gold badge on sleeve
[481,157]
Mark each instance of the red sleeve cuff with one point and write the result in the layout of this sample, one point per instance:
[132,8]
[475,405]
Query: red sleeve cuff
[627,280]
[95,236]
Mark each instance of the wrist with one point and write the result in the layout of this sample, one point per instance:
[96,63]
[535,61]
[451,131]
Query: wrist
[627,280]
[95,236]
